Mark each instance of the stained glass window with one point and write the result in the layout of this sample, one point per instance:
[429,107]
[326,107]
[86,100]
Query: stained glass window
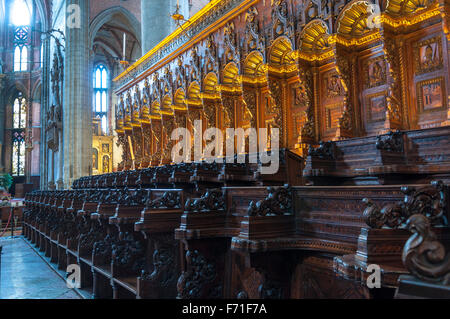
[18,160]
[19,112]
[20,18]
[18,135]
[100,104]
[20,58]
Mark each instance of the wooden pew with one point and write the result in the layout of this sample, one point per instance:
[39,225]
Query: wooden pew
[158,221]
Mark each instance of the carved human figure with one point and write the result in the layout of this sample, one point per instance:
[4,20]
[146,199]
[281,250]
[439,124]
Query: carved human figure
[377,74]
[105,164]
[429,59]
[334,86]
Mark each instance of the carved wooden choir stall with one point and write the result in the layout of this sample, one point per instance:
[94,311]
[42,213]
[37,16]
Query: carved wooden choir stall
[361,103]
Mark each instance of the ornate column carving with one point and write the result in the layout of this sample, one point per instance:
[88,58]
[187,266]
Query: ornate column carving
[305,99]
[209,109]
[168,123]
[157,142]
[395,58]
[250,107]
[275,107]
[344,66]
[228,102]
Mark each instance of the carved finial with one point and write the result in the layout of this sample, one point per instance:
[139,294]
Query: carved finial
[212,200]
[326,150]
[372,214]
[168,200]
[430,201]
[423,255]
[278,202]
[392,141]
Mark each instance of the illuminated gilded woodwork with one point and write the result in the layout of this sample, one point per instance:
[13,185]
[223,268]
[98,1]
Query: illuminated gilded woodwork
[254,68]
[102,160]
[353,21]
[156,109]
[314,38]
[281,53]
[231,75]
[167,105]
[180,102]
[210,86]
[194,97]
[402,7]
[291,65]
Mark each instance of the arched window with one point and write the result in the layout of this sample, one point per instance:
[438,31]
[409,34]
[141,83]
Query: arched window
[100,104]
[20,58]
[20,19]
[18,135]
[42,56]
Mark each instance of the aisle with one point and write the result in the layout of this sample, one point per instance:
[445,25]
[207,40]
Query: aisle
[24,275]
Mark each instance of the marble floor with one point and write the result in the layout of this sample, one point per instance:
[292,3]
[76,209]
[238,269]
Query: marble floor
[24,275]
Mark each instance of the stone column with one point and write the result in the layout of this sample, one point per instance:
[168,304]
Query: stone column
[77,112]
[157,22]
[44,159]
[2,118]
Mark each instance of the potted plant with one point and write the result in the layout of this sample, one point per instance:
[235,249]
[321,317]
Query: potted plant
[5,184]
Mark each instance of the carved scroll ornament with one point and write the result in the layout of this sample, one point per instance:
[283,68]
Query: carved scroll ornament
[429,201]
[278,202]
[423,255]
[212,200]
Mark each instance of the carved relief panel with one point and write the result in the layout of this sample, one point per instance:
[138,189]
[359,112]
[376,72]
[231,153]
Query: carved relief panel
[332,98]
[373,67]
[156,142]
[430,81]
[248,109]
[428,55]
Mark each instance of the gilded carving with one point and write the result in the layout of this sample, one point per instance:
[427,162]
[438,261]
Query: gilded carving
[169,126]
[393,57]
[375,72]
[281,22]
[333,85]
[195,74]
[231,52]
[274,105]
[304,98]
[211,61]
[253,39]
[428,55]
[209,109]
[157,135]
[228,107]
[249,112]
